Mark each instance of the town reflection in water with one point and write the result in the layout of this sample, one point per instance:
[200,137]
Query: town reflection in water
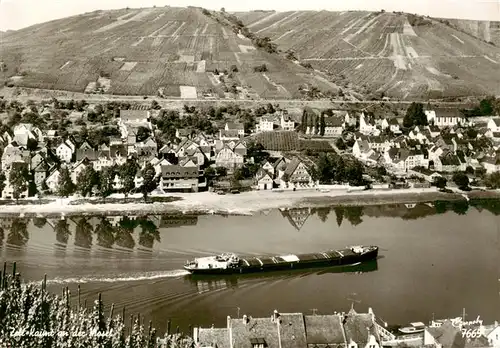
[297,217]
[104,232]
[141,232]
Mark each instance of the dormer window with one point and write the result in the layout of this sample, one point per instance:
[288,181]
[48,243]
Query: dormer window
[258,343]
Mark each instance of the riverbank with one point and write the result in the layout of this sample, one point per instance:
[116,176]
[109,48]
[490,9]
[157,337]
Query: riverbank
[236,204]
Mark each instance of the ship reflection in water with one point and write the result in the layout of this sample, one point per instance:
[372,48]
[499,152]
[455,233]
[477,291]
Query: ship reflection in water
[208,283]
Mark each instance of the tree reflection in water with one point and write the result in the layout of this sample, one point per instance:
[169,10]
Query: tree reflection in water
[149,233]
[18,234]
[39,222]
[104,231]
[62,231]
[83,233]
[124,233]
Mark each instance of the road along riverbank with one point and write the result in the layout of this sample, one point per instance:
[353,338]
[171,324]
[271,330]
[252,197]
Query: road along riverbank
[236,204]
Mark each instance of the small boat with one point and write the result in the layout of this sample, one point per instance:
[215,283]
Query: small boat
[413,328]
[233,264]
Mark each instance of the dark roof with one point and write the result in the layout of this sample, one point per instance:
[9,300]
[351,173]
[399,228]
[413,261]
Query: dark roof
[333,122]
[261,328]
[215,337]
[175,171]
[128,115]
[292,330]
[118,150]
[393,121]
[358,328]
[235,126]
[447,335]
[450,159]
[324,329]
[233,133]
[290,168]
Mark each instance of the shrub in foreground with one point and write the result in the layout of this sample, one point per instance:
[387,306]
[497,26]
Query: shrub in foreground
[31,317]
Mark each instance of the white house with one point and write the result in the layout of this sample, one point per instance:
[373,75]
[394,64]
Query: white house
[52,180]
[333,126]
[65,151]
[491,164]
[77,169]
[286,122]
[229,126]
[264,180]
[265,124]
[392,124]
[8,191]
[493,335]
[444,120]
[367,126]
[494,124]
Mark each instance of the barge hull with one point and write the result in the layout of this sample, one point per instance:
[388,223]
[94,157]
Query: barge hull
[267,264]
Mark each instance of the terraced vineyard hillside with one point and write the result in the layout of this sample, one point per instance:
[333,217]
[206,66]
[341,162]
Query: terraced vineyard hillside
[142,52]
[402,55]
[174,52]
[484,30]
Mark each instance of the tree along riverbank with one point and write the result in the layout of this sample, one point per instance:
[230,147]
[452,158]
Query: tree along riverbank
[235,204]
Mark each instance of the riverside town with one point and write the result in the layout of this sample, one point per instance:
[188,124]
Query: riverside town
[319,176]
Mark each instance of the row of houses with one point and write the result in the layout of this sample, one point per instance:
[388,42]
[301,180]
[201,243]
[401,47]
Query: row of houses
[339,330]
[179,165]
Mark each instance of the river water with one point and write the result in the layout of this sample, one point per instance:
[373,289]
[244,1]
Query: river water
[435,259]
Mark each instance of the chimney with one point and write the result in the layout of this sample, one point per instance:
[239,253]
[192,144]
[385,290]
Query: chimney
[195,335]
[230,329]
[276,315]
[245,319]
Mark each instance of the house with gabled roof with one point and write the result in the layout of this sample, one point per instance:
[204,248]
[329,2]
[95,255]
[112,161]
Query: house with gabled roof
[267,166]
[444,336]
[40,174]
[239,127]
[147,148]
[25,131]
[12,153]
[333,126]
[492,334]
[228,158]
[231,134]
[367,125]
[52,180]
[361,149]
[79,167]
[391,124]
[175,177]
[494,124]
[296,175]
[266,123]
[184,133]
[104,159]
[433,130]
[86,150]
[264,179]
[447,162]
[380,143]
[65,150]
[286,122]
[491,164]
[361,330]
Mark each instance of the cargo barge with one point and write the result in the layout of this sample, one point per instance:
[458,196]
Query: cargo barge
[233,264]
